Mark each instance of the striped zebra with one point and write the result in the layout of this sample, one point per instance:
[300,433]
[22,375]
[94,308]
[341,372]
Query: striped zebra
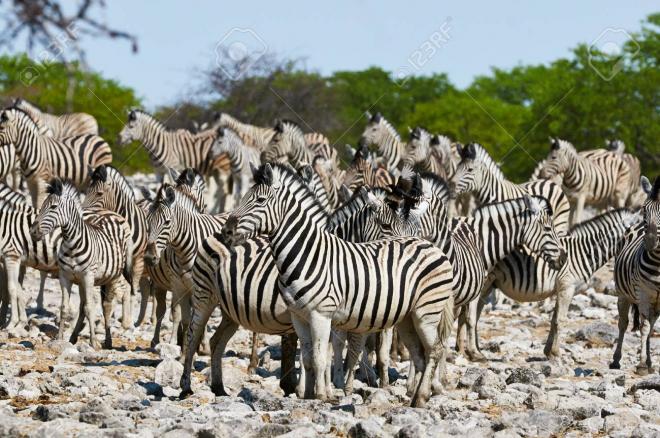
[362,172]
[240,157]
[175,221]
[477,173]
[109,190]
[381,133]
[10,169]
[589,246]
[64,126]
[637,277]
[18,249]
[327,281]
[477,245]
[95,251]
[597,178]
[618,147]
[425,152]
[43,158]
[288,144]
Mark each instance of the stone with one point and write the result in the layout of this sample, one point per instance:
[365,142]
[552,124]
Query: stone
[649,399]
[652,382]
[598,334]
[366,429]
[95,412]
[488,385]
[469,377]
[535,423]
[168,373]
[526,376]
[168,351]
[410,431]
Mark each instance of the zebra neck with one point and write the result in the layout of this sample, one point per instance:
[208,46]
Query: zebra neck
[576,171]
[590,251]
[493,189]
[159,143]
[75,231]
[30,148]
[392,148]
[500,232]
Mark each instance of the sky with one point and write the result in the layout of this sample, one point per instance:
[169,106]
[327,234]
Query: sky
[177,39]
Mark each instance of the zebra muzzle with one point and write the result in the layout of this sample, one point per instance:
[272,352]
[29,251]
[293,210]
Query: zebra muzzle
[35,232]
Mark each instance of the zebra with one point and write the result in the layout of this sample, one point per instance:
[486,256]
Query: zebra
[288,144]
[95,251]
[637,276]
[175,220]
[599,179]
[425,152]
[478,174]
[64,126]
[260,136]
[109,190]
[43,158]
[361,172]
[240,156]
[618,147]
[381,133]
[589,245]
[9,166]
[326,281]
[18,249]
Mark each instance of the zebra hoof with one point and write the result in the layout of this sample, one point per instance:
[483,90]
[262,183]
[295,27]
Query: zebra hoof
[642,370]
[615,366]
[219,392]
[185,393]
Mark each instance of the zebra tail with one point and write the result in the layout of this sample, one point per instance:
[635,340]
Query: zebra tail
[446,322]
[128,265]
[635,314]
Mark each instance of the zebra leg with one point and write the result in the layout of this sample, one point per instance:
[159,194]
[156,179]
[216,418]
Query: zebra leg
[201,314]
[409,337]
[42,285]
[153,307]
[4,299]
[186,313]
[126,310]
[320,335]
[160,307]
[254,355]
[383,356]
[288,379]
[65,286]
[17,315]
[176,316]
[338,342]
[624,307]
[219,341]
[579,210]
[652,318]
[472,309]
[562,300]
[89,291]
[306,384]
[108,298]
[355,348]
[644,332]
[461,333]
[145,292]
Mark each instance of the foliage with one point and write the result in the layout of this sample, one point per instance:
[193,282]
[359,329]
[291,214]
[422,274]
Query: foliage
[105,99]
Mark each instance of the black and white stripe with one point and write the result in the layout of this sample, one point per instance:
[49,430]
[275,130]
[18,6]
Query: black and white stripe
[63,126]
[359,288]
[381,133]
[43,158]
[241,156]
[95,251]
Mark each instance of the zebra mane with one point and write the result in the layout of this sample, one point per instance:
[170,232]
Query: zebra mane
[287,177]
[441,140]
[160,125]
[119,180]
[623,215]
[356,202]
[419,131]
[389,127]
[61,187]
[438,186]
[540,203]
[479,154]
[558,143]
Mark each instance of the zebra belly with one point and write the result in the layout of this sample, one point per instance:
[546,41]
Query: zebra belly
[525,277]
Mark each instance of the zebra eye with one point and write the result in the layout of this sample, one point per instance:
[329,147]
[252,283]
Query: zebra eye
[261,200]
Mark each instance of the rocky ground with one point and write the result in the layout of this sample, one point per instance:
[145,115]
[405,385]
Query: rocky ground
[52,388]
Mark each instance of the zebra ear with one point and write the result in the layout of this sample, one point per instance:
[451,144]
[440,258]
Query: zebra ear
[646,185]
[554,144]
[220,131]
[377,118]
[279,126]
[345,193]
[373,201]
[132,116]
[216,116]
[174,174]
[350,151]
[99,174]
[435,140]
[532,204]
[367,114]
[169,195]
[254,169]
[306,172]
[4,116]
[416,133]
[55,187]
[146,193]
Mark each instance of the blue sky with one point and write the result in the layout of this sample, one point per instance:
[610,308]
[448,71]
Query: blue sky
[177,39]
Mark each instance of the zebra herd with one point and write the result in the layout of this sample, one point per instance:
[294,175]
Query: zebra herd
[381,255]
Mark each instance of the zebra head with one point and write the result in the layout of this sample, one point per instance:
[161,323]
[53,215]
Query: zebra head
[191,183]
[102,189]
[384,220]
[559,160]
[132,130]
[651,212]
[469,172]
[616,146]
[539,234]
[287,137]
[159,221]
[13,121]
[418,148]
[57,209]
[378,131]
